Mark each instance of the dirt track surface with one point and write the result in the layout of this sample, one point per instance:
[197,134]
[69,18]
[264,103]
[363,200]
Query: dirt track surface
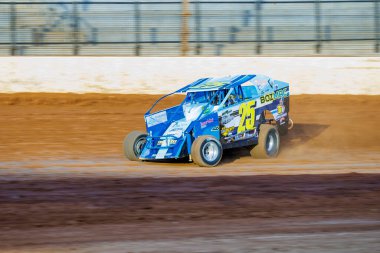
[64,185]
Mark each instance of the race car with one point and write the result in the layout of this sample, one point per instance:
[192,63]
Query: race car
[215,114]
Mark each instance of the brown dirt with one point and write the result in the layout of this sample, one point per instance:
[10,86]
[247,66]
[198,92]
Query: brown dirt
[73,125]
[64,185]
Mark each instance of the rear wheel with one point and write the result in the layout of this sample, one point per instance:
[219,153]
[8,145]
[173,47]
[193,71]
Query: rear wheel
[134,143]
[268,144]
[206,151]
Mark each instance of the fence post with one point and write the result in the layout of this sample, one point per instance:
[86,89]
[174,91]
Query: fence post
[211,34]
[75,29]
[185,28]
[258,26]
[317,7]
[377,26]
[137,29]
[198,27]
[153,35]
[12,22]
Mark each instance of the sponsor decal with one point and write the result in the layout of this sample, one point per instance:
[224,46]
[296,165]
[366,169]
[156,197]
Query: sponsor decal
[239,123]
[215,128]
[228,116]
[205,123]
[281,108]
[281,93]
[167,142]
[226,112]
[207,111]
[267,98]
[227,130]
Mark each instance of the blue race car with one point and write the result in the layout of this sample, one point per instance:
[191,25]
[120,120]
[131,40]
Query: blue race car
[216,114]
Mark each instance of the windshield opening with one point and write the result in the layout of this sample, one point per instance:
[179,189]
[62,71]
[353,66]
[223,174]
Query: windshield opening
[215,97]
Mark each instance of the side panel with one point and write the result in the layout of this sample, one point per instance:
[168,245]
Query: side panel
[157,123]
[240,122]
[208,125]
[277,102]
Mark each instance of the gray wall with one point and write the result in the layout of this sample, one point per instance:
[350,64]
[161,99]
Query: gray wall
[236,28]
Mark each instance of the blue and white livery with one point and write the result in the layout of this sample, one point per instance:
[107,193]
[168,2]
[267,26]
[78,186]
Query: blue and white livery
[215,114]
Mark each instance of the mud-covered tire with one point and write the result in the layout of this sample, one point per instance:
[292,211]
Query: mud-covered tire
[268,144]
[133,145]
[206,151]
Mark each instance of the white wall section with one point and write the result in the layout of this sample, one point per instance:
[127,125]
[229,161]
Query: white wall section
[150,75]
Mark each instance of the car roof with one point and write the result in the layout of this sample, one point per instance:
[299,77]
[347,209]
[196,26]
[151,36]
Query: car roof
[209,84]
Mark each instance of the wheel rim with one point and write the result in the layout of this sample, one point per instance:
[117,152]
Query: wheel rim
[139,145]
[271,143]
[210,151]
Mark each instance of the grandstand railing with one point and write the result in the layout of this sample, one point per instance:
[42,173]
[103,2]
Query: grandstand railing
[171,28]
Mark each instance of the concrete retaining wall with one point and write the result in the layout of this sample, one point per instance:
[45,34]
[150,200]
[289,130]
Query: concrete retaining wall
[313,75]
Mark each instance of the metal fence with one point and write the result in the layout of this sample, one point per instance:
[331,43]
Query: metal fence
[171,28]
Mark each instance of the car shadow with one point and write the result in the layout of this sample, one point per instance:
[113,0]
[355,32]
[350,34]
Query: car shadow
[163,161]
[299,135]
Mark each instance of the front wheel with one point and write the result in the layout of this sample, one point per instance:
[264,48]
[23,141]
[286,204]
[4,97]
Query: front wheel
[206,151]
[268,144]
[134,144]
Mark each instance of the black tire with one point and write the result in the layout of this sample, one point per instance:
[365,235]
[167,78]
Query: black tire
[201,148]
[134,143]
[268,144]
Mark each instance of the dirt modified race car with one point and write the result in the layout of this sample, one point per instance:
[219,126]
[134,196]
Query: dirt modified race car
[216,114]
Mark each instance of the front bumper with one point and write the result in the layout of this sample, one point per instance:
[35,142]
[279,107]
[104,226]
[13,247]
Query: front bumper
[163,147]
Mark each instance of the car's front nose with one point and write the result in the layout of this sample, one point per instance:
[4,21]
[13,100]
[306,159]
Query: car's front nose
[162,147]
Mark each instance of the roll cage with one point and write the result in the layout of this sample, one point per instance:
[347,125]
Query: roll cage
[219,93]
